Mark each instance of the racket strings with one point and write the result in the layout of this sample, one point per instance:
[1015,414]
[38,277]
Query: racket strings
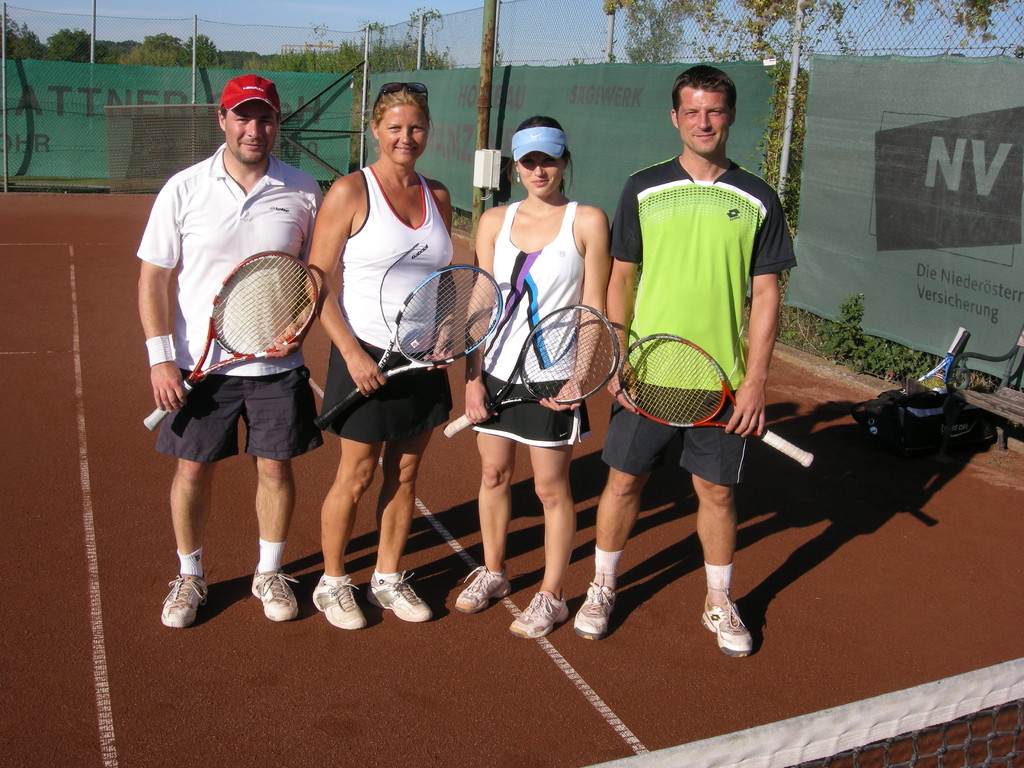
[570,355]
[448,315]
[673,381]
[266,300]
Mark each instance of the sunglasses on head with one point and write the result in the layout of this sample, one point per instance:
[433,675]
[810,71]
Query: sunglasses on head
[419,88]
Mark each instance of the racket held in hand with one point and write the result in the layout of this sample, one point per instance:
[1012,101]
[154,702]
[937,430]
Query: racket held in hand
[570,354]
[448,315]
[267,299]
[675,382]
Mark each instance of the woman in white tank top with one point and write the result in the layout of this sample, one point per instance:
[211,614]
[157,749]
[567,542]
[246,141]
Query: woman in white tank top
[379,232]
[546,252]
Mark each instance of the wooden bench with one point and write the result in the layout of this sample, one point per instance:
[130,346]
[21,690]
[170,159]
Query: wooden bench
[1005,402]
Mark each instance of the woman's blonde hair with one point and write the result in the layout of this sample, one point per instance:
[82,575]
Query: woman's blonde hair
[402,98]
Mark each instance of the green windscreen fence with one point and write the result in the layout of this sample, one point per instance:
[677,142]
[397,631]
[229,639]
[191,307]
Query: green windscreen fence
[616,117]
[912,190]
[105,124]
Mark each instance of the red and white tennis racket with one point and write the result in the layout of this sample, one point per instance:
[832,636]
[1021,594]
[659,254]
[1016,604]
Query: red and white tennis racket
[673,381]
[268,298]
[448,315]
[569,355]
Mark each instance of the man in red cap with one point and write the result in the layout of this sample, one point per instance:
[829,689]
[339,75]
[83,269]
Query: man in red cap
[240,201]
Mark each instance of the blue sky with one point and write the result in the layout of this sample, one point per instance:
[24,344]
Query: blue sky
[345,16]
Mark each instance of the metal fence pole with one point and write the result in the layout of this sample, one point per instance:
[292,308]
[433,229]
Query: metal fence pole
[362,110]
[609,43]
[92,37]
[3,84]
[195,45]
[483,99]
[794,74]
[419,44]
[497,29]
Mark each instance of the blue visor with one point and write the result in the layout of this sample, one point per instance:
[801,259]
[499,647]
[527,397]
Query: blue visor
[550,141]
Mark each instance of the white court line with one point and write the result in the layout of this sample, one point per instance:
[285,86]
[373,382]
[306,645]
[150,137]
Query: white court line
[560,661]
[105,719]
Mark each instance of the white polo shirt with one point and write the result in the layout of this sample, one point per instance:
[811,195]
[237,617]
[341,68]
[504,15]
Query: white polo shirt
[203,224]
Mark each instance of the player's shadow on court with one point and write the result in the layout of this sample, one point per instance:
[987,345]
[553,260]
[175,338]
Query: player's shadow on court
[853,488]
[445,575]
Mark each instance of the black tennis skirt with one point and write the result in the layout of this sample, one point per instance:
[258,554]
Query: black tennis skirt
[408,404]
[531,423]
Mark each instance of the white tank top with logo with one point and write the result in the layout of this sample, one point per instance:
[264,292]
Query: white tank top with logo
[534,285]
[388,252]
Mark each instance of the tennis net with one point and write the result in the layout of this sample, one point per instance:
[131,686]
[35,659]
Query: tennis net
[973,720]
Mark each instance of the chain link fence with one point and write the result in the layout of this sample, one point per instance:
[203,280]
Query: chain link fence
[534,32]
[528,33]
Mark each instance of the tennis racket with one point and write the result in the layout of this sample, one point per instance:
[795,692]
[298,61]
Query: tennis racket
[268,298]
[568,356]
[448,315]
[675,382]
[936,377]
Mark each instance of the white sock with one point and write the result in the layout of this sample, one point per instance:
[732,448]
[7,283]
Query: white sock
[270,556]
[719,578]
[382,578]
[606,566]
[191,564]
[334,581]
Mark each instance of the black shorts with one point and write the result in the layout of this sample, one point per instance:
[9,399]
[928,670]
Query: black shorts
[278,411]
[531,423]
[636,445]
[408,404]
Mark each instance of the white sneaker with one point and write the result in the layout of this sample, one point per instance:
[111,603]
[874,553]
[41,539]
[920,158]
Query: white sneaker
[186,595]
[592,618]
[733,637]
[398,596]
[279,603]
[540,616]
[337,600]
[485,587]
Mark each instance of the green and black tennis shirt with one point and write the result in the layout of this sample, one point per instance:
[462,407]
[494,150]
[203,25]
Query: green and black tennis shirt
[698,244]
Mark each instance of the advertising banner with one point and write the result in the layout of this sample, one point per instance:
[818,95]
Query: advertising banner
[912,192]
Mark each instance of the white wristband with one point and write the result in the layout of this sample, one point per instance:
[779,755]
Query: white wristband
[161,349]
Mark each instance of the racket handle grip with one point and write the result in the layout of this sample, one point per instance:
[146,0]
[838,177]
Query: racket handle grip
[153,420]
[324,419]
[782,445]
[457,426]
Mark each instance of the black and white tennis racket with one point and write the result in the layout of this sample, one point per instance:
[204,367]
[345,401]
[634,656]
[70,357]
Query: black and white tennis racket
[268,298]
[448,315]
[673,381]
[936,377]
[568,356]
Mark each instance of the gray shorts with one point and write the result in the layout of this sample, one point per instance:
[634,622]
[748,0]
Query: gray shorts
[636,445]
[278,412]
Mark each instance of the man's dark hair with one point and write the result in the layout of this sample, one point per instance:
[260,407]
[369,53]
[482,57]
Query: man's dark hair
[705,78]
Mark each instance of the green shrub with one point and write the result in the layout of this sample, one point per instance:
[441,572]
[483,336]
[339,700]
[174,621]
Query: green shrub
[843,341]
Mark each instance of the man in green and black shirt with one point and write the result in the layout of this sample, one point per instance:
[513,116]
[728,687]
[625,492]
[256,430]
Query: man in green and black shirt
[701,232]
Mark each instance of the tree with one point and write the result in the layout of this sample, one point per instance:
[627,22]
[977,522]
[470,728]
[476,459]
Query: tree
[68,45]
[653,31]
[207,54]
[22,43]
[974,16]
[160,50]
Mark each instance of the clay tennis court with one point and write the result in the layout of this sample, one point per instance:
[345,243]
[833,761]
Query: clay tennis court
[864,574]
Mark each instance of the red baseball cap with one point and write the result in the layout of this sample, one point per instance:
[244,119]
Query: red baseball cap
[248,88]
